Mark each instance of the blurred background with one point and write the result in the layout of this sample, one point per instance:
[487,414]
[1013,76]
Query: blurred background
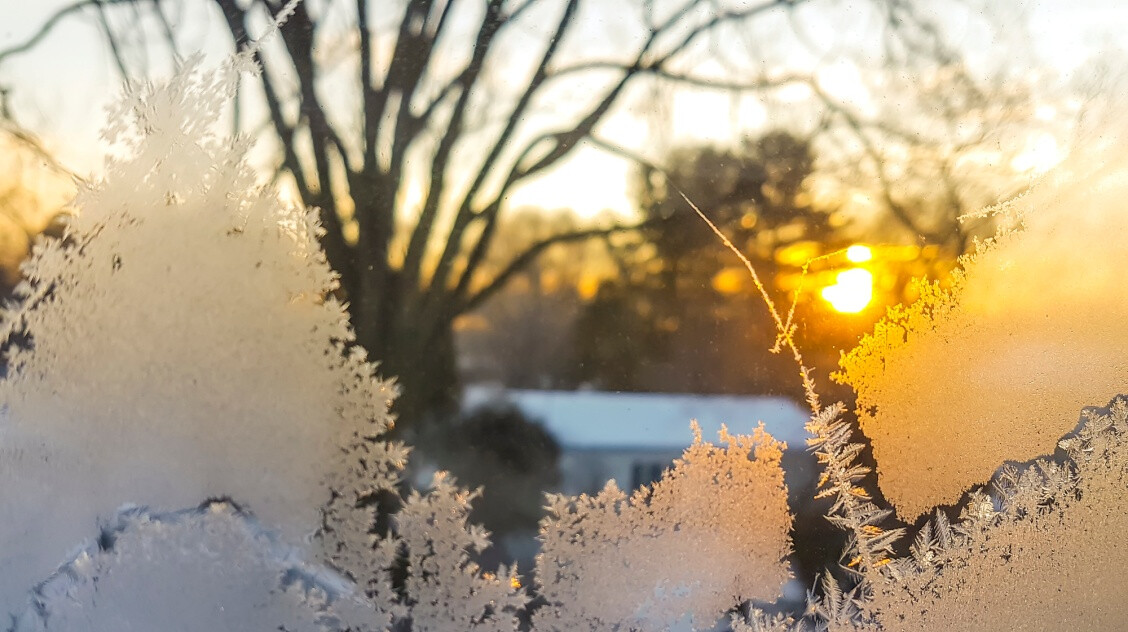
[504,189]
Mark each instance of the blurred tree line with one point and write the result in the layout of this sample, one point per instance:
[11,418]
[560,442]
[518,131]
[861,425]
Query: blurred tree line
[668,308]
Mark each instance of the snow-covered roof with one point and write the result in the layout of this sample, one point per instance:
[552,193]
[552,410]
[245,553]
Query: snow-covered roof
[645,421]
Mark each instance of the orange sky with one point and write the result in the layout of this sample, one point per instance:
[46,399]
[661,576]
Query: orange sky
[60,88]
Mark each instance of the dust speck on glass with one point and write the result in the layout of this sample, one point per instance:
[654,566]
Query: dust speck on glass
[562,315]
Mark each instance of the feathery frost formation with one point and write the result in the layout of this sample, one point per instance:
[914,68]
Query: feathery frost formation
[999,366]
[967,395]
[182,342]
[179,344]
[712,533]
[447,591]
[1041,549]
[200,570]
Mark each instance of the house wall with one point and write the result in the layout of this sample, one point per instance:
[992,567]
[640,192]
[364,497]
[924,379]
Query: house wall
[586,471]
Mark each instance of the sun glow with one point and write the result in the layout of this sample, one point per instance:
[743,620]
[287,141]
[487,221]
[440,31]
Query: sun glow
[1040,154]
[851,292]
[859,253]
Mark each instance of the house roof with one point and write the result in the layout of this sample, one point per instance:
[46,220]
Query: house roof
[645,421]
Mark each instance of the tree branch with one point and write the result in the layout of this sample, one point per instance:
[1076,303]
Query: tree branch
[367,93]
[297,35]
[721,18]
[416,10]
[515,13]
[898,210]
[333,240]
[49,25]
[33,144]
[466,214]
[530,254]
[765,83]
[115,50]
[423,229]
[166,28]
[408,126]
[563,142]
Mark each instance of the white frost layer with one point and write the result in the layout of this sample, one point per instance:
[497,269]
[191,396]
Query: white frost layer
[183,344]
[201,570]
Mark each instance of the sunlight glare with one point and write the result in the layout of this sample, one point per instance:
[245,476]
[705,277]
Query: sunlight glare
[1040,154]
[859,253]
[852,291]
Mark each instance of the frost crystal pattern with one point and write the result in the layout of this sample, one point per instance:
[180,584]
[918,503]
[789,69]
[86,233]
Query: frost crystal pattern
[712,533]
[1041,549]
[182,342]
[179,343]
[199,570]
[999,366]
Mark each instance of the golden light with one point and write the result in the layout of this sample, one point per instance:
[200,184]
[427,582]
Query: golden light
[1040,154]
[859,253]
[351,231]
[851,292]
[729,281]
[798,253]
[588,287]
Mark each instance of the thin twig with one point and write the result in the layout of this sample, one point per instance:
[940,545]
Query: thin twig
[786,331]
[788,326]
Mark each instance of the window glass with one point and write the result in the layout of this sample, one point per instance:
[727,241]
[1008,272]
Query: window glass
[562,315]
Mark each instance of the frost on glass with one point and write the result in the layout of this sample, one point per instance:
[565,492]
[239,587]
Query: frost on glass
[1041,549]
[977,396]
[712,533]
[447,591]
[998,366]
[179,343]
[200,570]
[182,342]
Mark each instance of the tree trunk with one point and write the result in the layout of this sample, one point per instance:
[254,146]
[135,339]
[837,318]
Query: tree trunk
[428,382]
[423,364]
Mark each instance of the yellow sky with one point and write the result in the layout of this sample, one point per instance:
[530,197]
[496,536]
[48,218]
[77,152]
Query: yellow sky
[59,90]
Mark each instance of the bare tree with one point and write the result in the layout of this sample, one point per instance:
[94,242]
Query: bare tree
[447,106]
[943,148]
[427,112]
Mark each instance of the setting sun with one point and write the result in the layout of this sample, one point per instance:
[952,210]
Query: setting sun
[851,292]
[859,253]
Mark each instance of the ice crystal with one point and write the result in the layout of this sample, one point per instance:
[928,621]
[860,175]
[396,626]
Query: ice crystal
[967,395]
[712,533]
[205,569]
[998,366]
[182,344]
[1042,551]
[446,590]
